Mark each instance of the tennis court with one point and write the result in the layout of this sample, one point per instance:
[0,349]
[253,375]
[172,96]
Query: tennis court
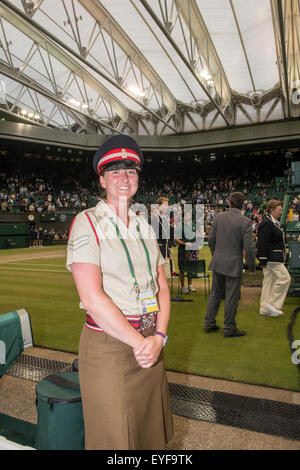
[38,280]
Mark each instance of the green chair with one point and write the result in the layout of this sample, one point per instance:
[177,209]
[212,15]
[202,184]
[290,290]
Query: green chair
[197,270]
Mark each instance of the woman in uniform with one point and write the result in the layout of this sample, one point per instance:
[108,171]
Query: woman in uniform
[118,271]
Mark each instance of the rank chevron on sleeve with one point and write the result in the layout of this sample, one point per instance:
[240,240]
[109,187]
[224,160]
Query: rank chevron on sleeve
[79,242]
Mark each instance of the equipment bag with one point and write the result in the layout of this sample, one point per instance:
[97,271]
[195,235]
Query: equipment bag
[60,420]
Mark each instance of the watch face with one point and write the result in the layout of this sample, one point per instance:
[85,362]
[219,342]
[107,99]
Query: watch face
[166,339]
[31,217]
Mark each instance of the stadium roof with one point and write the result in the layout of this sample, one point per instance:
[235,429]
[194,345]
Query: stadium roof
[156,67]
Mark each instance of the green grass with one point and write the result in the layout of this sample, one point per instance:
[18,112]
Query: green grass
[46,289]
[261,357]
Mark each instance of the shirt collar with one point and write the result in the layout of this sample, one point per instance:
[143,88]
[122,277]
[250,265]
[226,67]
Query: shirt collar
[273,219]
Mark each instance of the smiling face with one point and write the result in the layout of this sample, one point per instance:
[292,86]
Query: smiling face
[120,185]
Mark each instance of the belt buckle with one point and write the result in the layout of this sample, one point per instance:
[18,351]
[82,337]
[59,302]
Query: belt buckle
[147,321]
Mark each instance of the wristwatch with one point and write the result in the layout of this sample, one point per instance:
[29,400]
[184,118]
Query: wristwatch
[164,337]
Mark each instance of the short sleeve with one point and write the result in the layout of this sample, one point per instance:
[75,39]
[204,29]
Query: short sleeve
[160,260]
[82,244]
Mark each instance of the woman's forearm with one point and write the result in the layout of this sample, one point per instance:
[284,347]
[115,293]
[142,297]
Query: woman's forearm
[108,316]
[164,303]
[100,307]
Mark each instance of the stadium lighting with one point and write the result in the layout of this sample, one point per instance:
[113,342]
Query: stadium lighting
[36,116]
[136,91]
[74,102]
[204,74]
[30,115]
[77,103]
[24,112]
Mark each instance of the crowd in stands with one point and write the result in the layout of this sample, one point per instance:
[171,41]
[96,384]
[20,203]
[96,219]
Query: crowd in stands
[73,188]
[36,195]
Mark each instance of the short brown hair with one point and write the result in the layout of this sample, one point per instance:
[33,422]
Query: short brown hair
[237,200]
[273,204]
[161,200]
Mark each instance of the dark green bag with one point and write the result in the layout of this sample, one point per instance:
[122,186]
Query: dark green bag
[60,420]
[11,340]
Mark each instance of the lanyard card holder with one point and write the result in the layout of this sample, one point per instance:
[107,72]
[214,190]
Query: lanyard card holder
[149,308]
[148,303]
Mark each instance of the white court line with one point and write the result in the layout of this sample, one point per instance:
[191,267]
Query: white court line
[32,264]
[32,257]
[34,270]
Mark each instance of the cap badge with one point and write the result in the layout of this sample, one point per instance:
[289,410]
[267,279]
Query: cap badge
[124,153]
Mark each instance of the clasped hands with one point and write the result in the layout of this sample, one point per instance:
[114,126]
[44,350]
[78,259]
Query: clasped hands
[146,354]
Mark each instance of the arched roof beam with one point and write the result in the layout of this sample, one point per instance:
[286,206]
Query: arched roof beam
[77,115]
[242,44]
[286,20]
[80,57]
[207,55]
[206,62]
[133,54]
[52,49]
[171,59]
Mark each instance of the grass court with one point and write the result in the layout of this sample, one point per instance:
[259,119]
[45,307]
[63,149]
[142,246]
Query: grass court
[38,280]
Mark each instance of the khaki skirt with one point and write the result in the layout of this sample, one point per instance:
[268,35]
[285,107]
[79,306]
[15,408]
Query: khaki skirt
[125,407]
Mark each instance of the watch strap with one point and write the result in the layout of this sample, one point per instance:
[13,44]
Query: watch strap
[160,334]
[164,337]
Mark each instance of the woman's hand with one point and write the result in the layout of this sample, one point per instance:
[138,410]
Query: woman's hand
[147,353]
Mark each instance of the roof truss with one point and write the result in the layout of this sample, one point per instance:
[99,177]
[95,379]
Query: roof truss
[286,18]
[90,76]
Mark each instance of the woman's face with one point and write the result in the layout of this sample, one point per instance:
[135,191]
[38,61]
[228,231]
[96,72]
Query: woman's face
[120,184]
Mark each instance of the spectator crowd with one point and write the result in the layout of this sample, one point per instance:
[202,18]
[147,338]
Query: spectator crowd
[70,189]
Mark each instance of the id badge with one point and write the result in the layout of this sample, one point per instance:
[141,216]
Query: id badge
[148,303]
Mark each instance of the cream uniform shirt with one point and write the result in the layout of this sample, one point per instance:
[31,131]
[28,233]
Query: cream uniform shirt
[110,255]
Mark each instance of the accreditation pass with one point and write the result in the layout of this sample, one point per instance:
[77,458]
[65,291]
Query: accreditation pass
[148,302]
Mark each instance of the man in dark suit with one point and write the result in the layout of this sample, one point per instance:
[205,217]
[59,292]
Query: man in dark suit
[231,235]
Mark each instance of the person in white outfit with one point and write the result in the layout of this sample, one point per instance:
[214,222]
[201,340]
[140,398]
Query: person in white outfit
[271,256]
